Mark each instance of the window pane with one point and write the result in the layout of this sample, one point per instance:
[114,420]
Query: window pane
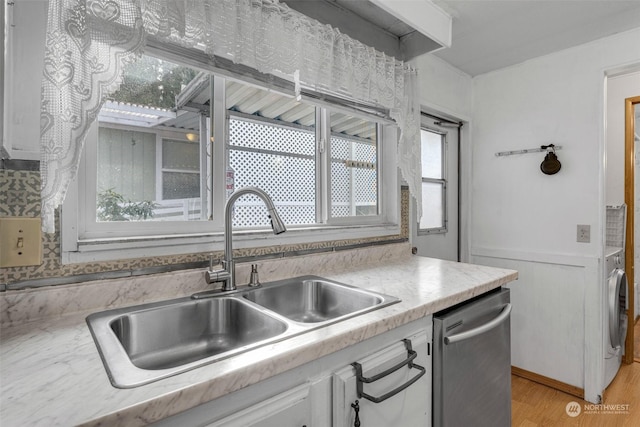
[431,154]
[135,182]
[432,209]
[279,160]
[354,167]
[181,155]
[176,185]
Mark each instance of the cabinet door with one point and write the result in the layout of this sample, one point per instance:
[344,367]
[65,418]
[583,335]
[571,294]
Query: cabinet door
[410,407]
[289,409]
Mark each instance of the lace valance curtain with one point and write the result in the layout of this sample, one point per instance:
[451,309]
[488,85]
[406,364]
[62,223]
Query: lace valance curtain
[88,43]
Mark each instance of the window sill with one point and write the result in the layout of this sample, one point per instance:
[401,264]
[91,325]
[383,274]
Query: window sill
[97,250]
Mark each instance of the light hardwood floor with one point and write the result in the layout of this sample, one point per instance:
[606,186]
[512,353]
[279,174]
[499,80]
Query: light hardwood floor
[536,405]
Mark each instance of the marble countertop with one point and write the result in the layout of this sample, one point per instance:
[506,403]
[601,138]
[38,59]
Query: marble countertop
[51,372]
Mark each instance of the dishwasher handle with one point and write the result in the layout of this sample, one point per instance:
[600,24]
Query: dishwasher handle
[361,379]
[504,314]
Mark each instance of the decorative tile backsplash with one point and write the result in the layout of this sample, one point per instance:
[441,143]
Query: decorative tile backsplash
[20,196]
[19,193]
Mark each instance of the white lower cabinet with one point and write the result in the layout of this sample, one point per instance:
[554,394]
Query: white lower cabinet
[303,405]
[288,409]
[320,393]
[394,386]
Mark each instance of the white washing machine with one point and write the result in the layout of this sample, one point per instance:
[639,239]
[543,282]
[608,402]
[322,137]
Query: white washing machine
[616,313]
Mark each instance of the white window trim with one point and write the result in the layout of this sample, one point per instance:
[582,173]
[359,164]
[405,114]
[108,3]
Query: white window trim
[207,236]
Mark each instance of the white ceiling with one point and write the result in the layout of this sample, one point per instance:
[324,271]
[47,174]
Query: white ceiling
[493,34]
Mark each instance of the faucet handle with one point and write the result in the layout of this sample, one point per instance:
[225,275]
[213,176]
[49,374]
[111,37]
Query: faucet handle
[254,281]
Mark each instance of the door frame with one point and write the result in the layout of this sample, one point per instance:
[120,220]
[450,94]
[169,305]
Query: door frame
[444,124]
[629,195]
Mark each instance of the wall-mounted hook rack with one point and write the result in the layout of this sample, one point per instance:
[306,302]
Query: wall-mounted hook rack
[529,150]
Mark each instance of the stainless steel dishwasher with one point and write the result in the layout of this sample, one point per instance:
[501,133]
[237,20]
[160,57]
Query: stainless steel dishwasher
[472,363]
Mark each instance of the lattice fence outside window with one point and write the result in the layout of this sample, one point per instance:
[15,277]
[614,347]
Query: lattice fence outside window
[354,178]
[281,161]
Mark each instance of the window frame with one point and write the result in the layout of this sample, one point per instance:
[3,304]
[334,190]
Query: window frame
[440,181]
[93,230]
[82,242]
[380,176]
[382,167]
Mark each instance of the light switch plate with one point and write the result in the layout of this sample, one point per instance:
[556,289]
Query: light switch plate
[584,233]
[20,242]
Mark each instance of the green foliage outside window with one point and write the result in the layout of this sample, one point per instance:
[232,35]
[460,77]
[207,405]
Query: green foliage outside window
[113,207]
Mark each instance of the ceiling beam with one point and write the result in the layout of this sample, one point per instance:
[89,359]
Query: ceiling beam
[349,23]
[382,26]
[423,15]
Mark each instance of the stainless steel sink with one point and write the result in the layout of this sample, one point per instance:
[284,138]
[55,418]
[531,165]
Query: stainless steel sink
[149,342]
[145,343]
[314,300]
[177,334]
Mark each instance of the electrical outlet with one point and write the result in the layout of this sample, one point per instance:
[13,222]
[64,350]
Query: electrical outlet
[584,233]
[20,242]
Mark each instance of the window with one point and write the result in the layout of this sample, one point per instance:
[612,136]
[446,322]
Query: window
[148,161]
[174,142]
[354,178]
[434,182]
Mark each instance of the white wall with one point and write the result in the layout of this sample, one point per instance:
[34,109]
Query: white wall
[28,22]
[618,89]
[4,145]
[444,88]
[526,220]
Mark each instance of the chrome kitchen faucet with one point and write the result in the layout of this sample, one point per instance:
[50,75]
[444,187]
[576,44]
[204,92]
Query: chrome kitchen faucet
[227,274]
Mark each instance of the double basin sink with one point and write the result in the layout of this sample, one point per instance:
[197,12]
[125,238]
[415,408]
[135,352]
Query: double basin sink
[149,342]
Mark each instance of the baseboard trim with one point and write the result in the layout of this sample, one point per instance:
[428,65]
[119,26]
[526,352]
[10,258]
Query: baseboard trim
[549,382]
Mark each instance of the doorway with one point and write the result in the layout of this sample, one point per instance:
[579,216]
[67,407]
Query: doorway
[436,234]
[622,184]
[632,195]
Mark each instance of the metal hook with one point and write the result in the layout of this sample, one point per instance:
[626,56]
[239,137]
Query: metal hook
[550,148]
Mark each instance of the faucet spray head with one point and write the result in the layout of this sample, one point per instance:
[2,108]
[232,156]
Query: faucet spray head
[276,222]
